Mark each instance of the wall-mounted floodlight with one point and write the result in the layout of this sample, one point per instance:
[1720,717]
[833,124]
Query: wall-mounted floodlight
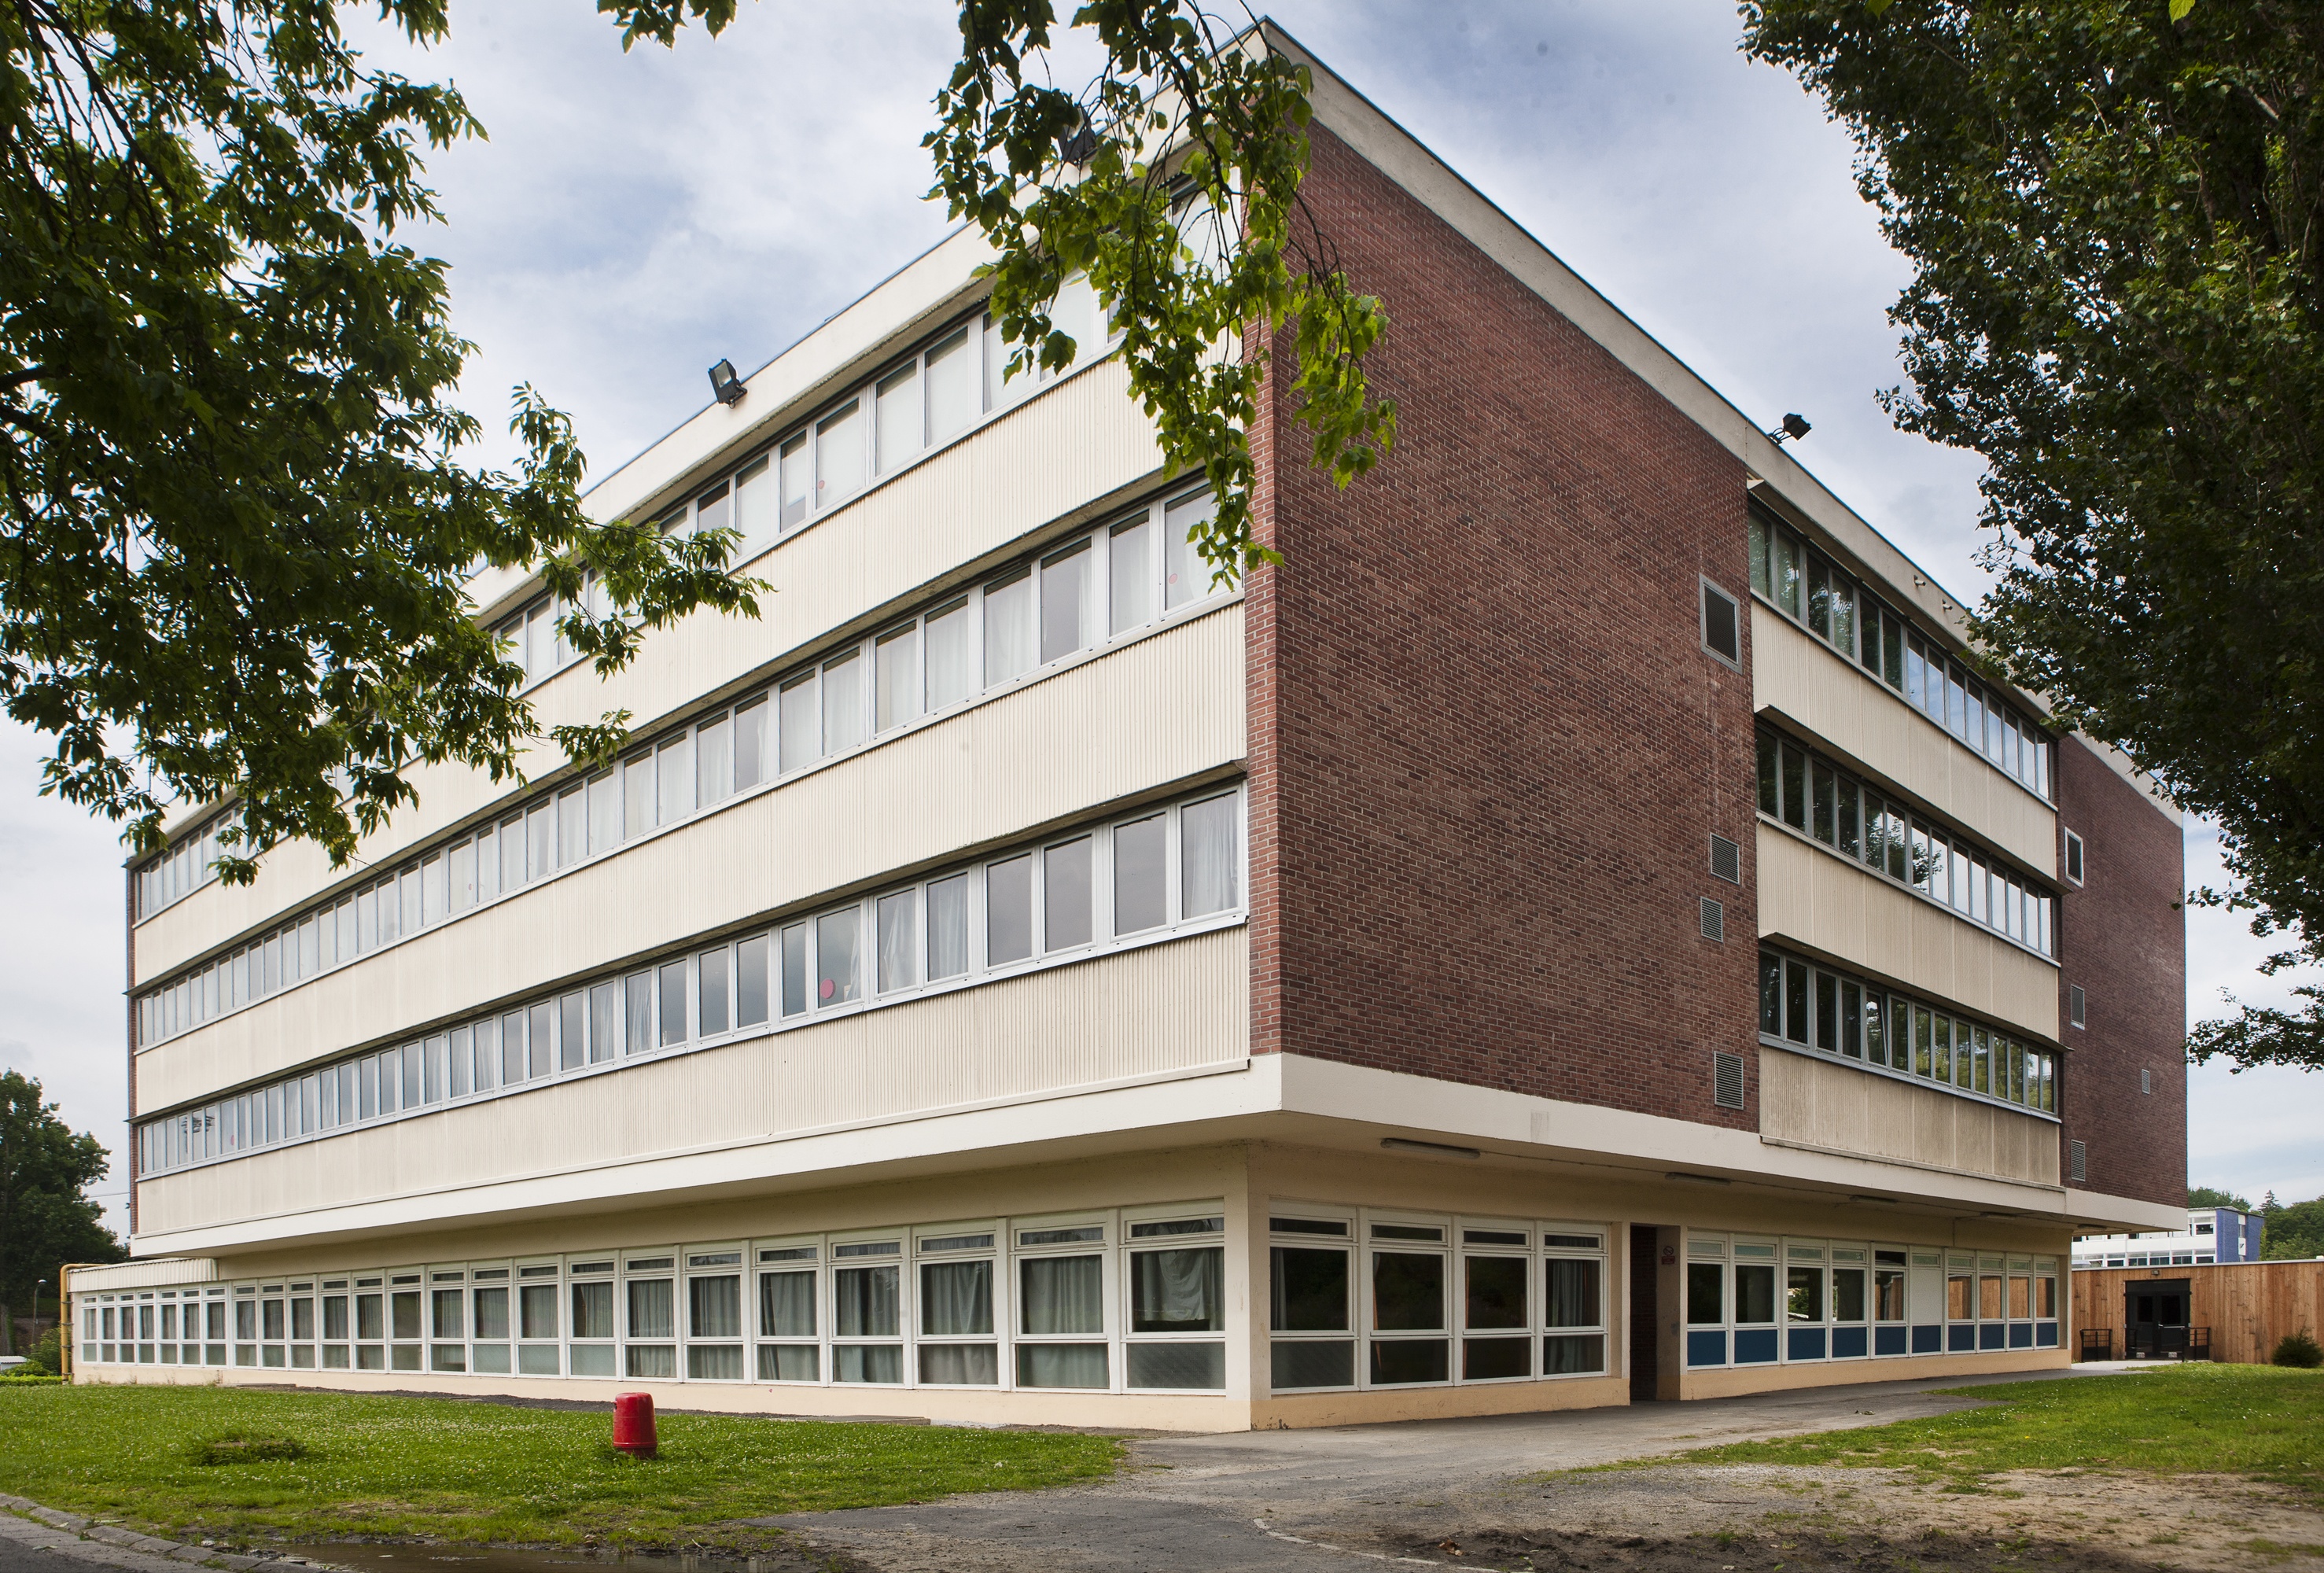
[725,384]
[1079,145]
[1793,426]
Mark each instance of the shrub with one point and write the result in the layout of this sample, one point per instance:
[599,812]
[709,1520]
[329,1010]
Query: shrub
[241,1448]
[2299,1349]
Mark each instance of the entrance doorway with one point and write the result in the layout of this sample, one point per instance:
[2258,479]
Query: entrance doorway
[2155,1317]
[1646,1314]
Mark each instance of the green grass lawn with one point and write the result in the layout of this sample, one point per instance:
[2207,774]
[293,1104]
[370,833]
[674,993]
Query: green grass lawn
[432,1467]
[2256,1420]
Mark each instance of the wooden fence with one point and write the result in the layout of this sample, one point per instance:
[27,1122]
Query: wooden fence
[2248,1305]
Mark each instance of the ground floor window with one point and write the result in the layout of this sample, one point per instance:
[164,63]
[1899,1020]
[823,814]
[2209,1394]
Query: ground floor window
[1365,1300]
[1766,1301]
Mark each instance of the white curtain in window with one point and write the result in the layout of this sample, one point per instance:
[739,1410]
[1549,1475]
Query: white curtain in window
[1571,1300]
[1177,1292]
[1211,878]
[948,927]
[651,1308]
[1062,1294]
[955,1297]
[951,655]
[786,1305]
[899,957]
[863,1301]
[715,1307]
[1009,635]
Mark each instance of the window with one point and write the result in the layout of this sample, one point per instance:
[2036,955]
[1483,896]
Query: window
[1855,821]
[867,1312]
[1865,632]
[1308,1286]
[1061,1305]
[787,1350]
[650,1317]
[1721,626]
[2078,1005]
[2074,858]
[714,1315]
[591,1302]
[957,1344]
[1808,1006]
[1109,582]
[1177,1295]
[1125,881]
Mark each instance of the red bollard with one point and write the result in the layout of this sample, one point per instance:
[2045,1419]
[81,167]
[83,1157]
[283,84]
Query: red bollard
[634,1424]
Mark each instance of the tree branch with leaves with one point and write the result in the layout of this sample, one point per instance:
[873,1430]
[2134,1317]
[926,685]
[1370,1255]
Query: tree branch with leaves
[236,526]
[1172,179]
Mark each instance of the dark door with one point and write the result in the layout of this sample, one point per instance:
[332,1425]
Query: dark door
[1645,1316]
[2154,1316]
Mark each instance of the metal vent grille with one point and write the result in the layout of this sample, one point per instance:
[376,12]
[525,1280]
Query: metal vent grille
[1726,1080]
[2077,1162]
[1714,920]
[2146,1081]
[1726,860]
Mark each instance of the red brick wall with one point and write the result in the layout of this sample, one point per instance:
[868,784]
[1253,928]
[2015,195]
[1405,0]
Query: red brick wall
[1486,749]
[2121,937]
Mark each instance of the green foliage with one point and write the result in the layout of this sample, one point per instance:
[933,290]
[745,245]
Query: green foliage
[235,527]
[2193,1418]
[45,1219]
[2298,1349]
[2115,217]
[242,1447]
[1182,204]
[450,1469]
[47,1356]
[2204,1196]
[2293,1234]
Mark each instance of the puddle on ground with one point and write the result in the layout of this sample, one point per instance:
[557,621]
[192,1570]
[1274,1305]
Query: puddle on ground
[362,1558]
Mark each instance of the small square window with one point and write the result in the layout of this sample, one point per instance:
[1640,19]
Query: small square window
[2074,858]
[1722,630]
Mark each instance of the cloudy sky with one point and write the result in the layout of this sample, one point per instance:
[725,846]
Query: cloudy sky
[633,218]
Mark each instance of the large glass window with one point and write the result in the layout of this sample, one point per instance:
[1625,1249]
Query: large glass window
[1176,1296]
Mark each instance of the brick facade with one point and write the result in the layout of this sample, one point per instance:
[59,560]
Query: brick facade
[2123,939]
[1487,747]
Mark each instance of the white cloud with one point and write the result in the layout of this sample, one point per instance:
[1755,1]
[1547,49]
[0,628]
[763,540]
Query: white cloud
[635,219]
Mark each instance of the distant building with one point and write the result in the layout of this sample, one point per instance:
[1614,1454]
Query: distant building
[2211,1234]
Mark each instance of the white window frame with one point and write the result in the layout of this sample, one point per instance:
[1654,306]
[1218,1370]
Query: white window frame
[1133,1245]
[1112,1318]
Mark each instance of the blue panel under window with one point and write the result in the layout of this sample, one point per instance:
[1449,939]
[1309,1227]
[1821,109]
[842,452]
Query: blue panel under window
[1848,1342]
[1706,1348]
[1805,1344]
[2045,1335]
[1992,1335]
[1754,1346]
[1959,1336]
[1929,1339]
[2021,1335]
[1891,1340]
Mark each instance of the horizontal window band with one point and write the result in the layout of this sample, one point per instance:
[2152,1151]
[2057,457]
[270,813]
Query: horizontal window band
[1167,871]
[428,871]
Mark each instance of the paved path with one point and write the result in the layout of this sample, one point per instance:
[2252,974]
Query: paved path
[1261,1499]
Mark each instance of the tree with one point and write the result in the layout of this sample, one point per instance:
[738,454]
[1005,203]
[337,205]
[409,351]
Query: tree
[2204,1196]
[2294,1232]
[46,1220]
[235,527]
[1172,180]
[2113,216]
